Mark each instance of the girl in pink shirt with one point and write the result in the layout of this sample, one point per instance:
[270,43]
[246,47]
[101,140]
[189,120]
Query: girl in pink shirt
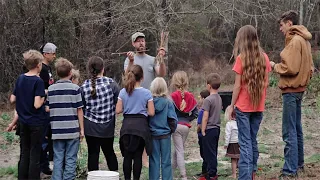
[249,93]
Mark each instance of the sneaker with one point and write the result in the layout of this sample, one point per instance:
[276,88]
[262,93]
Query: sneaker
[214,178]
[288,176]
[201,174]
[211,178]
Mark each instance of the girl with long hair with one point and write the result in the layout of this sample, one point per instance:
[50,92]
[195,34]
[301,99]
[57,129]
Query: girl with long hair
[100,95]
[136,104]
[186,110]
[248,99]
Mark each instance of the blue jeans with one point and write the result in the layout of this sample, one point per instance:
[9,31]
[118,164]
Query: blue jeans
[248,127]
[161,154]
[65,158]
[292,133]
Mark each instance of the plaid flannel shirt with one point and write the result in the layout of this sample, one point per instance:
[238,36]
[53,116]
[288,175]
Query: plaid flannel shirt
[101,109]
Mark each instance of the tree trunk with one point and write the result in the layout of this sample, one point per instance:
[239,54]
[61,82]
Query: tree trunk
[301,12]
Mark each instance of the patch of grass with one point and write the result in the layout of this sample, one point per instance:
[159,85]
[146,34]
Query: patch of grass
[12,170]
[5,117]
[266,131]
[3,147]
[308,137]
[9,137]
[276,156]
[313,159]
[225,159]
[278,164]
[273,80]
[81,168]
[263,148]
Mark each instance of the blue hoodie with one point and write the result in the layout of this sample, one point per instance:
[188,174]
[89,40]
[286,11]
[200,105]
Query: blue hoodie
[164,109]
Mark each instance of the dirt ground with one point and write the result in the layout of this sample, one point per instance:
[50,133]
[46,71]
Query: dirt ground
[269,141]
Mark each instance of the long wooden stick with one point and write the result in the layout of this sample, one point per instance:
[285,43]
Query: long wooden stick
[121,53]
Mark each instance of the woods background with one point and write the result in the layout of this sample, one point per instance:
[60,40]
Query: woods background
[201,31]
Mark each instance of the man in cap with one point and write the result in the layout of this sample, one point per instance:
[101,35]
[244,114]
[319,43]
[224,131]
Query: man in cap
[49,53]
[147,62]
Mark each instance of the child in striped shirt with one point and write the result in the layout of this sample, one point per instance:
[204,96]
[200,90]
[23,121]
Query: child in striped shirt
[66,118]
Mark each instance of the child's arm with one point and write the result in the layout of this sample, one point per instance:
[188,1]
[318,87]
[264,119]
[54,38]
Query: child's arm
[198,128]
[13,123]
[12,98]
[228,134]
[80,117]
[235,94]
[204,122]
[150,108]
[119,107]
[38,101]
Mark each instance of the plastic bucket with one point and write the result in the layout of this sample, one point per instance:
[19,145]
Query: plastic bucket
[100,175]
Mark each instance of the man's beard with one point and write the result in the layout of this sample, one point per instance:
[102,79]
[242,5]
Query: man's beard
[141,48]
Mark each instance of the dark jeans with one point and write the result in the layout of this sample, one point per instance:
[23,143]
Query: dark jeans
[106,144]
[46,146]
[30,150]
[292,133]
[204,163]
[210,150]
[132,155]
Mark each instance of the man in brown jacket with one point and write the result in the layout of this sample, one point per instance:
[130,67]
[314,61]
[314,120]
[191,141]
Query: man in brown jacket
[295,71]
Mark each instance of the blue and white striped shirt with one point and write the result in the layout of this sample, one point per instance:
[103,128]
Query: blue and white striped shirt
[64,99]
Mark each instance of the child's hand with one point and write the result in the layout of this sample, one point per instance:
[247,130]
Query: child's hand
[230,112]
[203,132]
[10,127]
[198,129]
[81,135]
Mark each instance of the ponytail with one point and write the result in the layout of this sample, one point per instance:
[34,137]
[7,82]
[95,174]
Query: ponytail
[130,82]
[134,74]
[95,66]
[183,102]
[93,85]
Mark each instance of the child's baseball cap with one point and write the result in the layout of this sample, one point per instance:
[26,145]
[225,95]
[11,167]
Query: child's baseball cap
[136,35]
[49,48]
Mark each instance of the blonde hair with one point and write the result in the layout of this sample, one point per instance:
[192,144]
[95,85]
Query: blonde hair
[159,87]
[180,81]
[75,74]
[253,62]
[32,58]
[63,67]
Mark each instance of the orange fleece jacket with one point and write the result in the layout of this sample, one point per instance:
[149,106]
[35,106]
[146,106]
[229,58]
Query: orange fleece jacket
[296,65]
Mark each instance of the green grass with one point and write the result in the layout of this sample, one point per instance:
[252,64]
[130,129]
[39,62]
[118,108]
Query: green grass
[263,148]
[12,170]
[308,137]
[225,159]
[275,156]
[266,131]
[313,159]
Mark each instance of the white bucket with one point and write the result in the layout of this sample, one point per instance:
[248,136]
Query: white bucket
[102,175]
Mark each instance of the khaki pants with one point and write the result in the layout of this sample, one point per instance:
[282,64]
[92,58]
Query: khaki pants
[179,138]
